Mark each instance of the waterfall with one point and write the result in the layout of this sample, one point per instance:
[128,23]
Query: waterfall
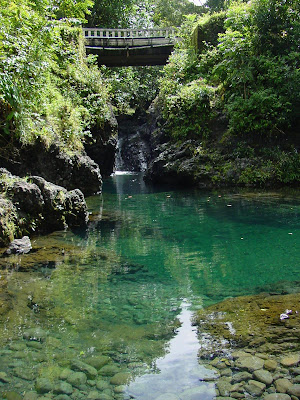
[133,150]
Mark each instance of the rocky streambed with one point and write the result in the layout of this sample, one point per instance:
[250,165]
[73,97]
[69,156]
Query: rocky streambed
[246,352]
[252,343]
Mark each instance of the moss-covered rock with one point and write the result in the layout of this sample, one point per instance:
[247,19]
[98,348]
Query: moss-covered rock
[252,321]
[35,205]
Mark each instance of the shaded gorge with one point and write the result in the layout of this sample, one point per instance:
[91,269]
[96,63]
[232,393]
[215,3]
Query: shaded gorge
[107,312]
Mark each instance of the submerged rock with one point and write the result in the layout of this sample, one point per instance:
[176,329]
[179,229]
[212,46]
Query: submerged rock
[97,361]
[263,376]
[43,385]
[256,323]
[90,371]
[121,378]
[4,377]
[12,396]
[36,334]
[250,363]
[62,387]
[19,246]
[255,388]
[77,379]
[30,396]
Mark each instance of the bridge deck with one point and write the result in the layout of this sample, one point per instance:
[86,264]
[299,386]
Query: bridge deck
[124,47]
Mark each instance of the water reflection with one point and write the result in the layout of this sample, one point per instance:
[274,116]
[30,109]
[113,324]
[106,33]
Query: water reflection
[178,373]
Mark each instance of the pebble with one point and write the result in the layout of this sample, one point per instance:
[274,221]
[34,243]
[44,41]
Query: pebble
[255,388]
[263,376]
[249,363]
[62,387]
[294,390]
[121,378]
[290,360]
[77,379]
[282,385]
[80,366]
[43,385]
[270,365]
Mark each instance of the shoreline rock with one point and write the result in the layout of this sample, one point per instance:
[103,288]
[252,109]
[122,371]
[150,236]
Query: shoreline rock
[37,206]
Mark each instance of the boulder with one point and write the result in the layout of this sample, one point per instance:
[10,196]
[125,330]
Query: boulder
[62,208]
[19,246]
[36,205]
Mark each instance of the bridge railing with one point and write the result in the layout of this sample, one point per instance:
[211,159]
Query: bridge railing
[129,33]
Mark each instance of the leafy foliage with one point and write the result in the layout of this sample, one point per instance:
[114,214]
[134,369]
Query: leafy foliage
[48,88]
[132,88]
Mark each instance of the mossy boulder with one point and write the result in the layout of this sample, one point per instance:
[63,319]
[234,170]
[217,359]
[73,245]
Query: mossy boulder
[253,321]
[35,205]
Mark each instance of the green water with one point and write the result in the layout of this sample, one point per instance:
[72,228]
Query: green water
[127,286]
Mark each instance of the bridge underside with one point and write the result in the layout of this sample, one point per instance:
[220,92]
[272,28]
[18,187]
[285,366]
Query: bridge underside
[130,52]
[138,56]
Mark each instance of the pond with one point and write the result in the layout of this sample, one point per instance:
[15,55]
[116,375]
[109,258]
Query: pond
[107,312]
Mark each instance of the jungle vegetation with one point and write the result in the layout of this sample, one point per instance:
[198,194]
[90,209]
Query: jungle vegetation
[239,59]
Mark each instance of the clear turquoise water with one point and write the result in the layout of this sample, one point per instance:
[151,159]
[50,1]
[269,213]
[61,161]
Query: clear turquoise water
[130,284]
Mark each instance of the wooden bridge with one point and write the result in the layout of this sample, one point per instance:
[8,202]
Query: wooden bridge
[124,47]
